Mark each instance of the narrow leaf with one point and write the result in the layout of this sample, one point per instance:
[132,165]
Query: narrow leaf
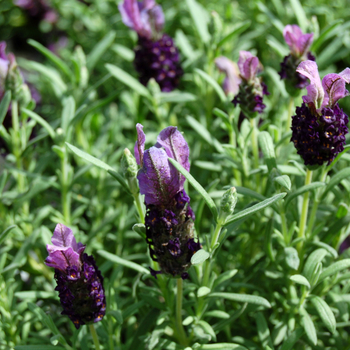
[4,106]
[199,257]
[237,29]
[266,144]
[68,112]
[301,191]
[335,180]
[61,65]
[314,258]
[255,208]
[242,298]
[300,279]
[308,326]
[116,259]
[5,233]
[222,346]
[263,330]
[200,19]
[100,48]
[40,121]
[299,14]
[292,339]
[334,268]
[197,187]
[128,80]
[325,313]
[284,181]
[213,83]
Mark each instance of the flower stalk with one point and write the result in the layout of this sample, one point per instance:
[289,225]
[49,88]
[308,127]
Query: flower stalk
[94,336]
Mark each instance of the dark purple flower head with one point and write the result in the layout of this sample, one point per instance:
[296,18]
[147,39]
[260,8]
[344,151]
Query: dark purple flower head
[251,88]
[169,217]
[146,18]
[79,281]
[159,181]
[320,125]
[298,42]
[232,79]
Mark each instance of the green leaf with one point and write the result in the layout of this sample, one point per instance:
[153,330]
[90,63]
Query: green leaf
[204,133]
[176,97]
[99,49]
[300,279]
[208,329]
[89,158]
[200,18]
[68,112]
[250,193]
[4,106]
[124,52]
[222,346]
[140,229]
[128,80]
[117,315]
[314,258]
[116,259]
[263,330]
[266,144]
[61,65]
[202,291]
[199,257]
[329,31]
[339,176]
[292,339]
[217,314]
[292,258]
[324,312]
[213,83]
[242,298]
[301,191]
[121,180]
[197,187]
[330,249]
[334,268]
[284,181]
[255,208]
[238,28]
[308,326]
[38,347]
[5,233]
[35,294]
[299,14]
[41,121]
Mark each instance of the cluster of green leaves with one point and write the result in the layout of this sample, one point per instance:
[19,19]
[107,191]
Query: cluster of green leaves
[256,284]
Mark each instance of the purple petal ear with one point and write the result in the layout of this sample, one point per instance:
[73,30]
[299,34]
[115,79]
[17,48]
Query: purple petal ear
[157,18]
[232,80]
[61,258]
[345,74]
[158,179]
[290,34]
[175,145]
[63,237]
[139,144]
[315,91]
[248,65]
[334,88]
[304,42]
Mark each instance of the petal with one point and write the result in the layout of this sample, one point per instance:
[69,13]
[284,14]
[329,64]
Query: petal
[304,42]
[334,88]
[63,237]
[157,18]
[345,74]
[232,80]
[248,65]
[139,144]
[315,93]
[62,258]
[291,33]
[158,179]
[175,145]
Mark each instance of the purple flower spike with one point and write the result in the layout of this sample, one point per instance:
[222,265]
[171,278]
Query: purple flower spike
[139,144]
[142,17]
[248,65]
[79,281]
[169,217]
[320,125]
[232,79]
[298,42]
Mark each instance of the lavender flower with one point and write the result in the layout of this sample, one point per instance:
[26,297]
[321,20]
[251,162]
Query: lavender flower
[232,79]
[299,45]
[156,55]
[251,88]
[169,217]
[344,245]
[79,281]
[320,125]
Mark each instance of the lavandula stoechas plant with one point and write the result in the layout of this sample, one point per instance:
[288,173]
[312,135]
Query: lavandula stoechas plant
[169,218]
[251,87]
[299,44]
[320,125]
[79,281]
[156,55]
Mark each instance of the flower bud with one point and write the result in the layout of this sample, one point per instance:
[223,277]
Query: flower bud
[129,169]
[228,203]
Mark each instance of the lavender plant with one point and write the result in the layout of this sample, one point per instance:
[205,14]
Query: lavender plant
[256,225]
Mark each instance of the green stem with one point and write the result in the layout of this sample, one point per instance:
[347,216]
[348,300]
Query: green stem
[182,335]
[255,148]
[65,197]
[304,211]
[284,225]
[139,207]
[94,336]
